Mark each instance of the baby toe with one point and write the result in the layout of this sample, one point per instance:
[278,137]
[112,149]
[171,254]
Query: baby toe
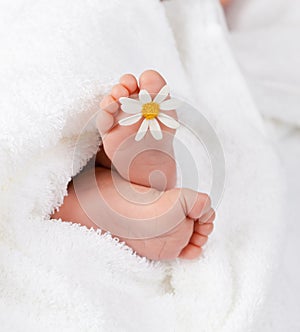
[104,122]
[198,239]
[151,81]
[119,91]
[130,83]
[190,252]
[204,229]
[109,104]
[208,217]
[195,204]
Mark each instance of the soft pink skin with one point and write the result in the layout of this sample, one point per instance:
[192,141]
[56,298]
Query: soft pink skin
[184,241]
[160,158]
[188,237]
[225,2]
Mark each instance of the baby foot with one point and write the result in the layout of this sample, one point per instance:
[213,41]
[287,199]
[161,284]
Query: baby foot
[166,228]
[186,239]
[140,155]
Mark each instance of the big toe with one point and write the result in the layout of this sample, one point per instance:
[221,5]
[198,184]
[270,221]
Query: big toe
[151,81]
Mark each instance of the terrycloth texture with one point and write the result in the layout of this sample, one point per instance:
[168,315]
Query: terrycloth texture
[58,59]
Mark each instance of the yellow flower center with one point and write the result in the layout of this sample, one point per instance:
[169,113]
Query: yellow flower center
[150,110]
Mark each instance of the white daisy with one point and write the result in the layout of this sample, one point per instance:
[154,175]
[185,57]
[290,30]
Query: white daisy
[151,111]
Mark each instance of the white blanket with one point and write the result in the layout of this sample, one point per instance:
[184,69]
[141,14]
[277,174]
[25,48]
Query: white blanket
[57,59]
[265,39]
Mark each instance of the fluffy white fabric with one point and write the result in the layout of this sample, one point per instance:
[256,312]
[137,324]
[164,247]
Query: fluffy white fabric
[265,39]
[58,58]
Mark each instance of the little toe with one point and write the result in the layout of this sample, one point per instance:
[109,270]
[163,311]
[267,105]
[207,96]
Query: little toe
[104,122]
[130,83]
[109,104]
[151,81]
[204,229]
[208,217]
[119,91]
[198,239]
[196,204]
[190,252]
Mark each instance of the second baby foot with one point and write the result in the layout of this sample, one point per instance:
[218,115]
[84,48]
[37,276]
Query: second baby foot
[174,223]
[140,154]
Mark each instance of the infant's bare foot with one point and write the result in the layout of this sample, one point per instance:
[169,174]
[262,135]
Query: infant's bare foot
[165,228]
[140,154]
[185,240]
[188,214]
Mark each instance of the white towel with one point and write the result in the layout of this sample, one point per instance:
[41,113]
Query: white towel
[265,38]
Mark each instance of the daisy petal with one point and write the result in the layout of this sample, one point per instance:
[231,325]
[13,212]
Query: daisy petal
[130,106]
[130,120]
[162,95]
[155,129]
[142,130]
[168,121]
[170,104]
[144,97]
